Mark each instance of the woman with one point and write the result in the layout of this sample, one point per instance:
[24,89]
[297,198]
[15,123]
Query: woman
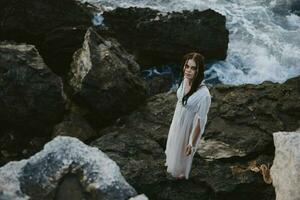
[189,118]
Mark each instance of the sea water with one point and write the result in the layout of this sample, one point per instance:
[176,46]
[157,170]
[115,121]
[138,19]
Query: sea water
[264,37]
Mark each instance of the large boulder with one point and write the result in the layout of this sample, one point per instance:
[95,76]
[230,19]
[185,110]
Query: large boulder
[285,170]
[32,101]
[59,46]
[65,169]
[155,37]
[55,27]
[32,97]
[105,79]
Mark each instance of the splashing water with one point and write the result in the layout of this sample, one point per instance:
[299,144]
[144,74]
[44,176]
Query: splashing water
[263,44]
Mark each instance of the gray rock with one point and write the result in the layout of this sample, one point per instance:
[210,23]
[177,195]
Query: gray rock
[158,38]
[139,197]
[212,149]
[57,34]
[246,116]
[63,164]
[105,79]
[75,126]
[32,97]
[285,169]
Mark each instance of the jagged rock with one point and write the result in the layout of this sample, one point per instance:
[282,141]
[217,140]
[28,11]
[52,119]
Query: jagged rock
[159,38]
[32,97]
[75,126]
[285,169]
[105,79]
[245,117]
[59,46]
[136,153]
[16,145]
[63,164]
[213,149]
[55,27]
[139,197]
[159,79]
[159,84]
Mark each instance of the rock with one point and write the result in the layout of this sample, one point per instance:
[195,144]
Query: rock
[75,126]
[158,38]
[32,97]
[48,26]
[105,79]
[285,169]
[159,84]
[59,46]
[212,149]
[70,189]
[137,154]
[236,152]
[16,145]
[245,117]
[65,163]
[139,197]
[240,123]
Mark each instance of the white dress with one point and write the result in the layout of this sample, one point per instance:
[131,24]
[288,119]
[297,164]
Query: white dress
[182,126]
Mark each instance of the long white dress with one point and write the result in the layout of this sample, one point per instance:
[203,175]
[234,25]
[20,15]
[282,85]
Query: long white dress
[182,128]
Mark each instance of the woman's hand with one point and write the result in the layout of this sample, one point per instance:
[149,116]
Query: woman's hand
[188,149]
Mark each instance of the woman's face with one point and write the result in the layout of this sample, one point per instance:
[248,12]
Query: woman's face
[190,69]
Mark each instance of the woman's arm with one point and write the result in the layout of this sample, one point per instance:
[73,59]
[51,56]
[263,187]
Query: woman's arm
[191,147]
[196,133]
[201,115]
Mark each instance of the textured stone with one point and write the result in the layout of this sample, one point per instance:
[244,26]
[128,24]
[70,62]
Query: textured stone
[69,161]
[32,97]
[285,169]
[105,79]
[55,32]
[158,38]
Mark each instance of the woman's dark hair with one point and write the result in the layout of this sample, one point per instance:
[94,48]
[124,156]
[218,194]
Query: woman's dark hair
[199,76]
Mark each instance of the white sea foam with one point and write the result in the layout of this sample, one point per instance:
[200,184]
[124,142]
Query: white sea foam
[293,20]
[264,45]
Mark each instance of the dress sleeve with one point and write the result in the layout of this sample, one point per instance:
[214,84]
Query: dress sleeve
[201,115]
